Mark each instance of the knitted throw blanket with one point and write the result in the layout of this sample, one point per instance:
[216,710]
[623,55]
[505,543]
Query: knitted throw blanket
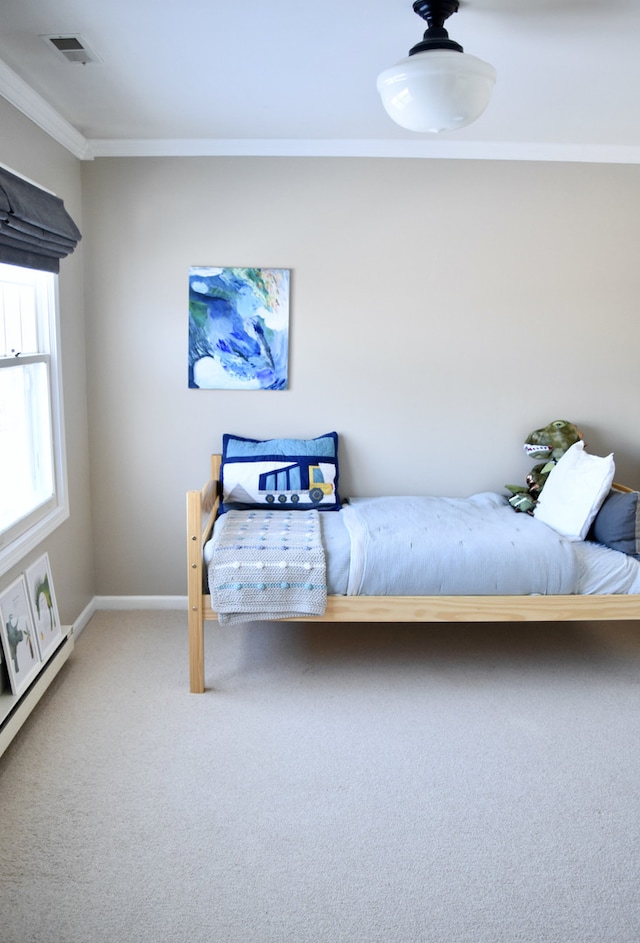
[267,565]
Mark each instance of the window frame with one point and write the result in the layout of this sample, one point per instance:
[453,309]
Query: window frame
[25,535]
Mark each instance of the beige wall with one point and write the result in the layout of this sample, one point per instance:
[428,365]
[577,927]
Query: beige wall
[31,152]
[440,312]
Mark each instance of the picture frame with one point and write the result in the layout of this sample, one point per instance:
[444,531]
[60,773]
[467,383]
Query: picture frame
[18,636]
[238,328]
[44,608]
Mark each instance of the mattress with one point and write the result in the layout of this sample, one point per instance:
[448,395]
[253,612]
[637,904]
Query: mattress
[429,546]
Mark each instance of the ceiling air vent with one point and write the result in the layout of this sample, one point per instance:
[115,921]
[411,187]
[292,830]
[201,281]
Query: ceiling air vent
[73,48]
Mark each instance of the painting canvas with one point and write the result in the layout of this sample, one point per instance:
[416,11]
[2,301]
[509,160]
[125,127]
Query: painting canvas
[44,609]
[18,636]
[238,328]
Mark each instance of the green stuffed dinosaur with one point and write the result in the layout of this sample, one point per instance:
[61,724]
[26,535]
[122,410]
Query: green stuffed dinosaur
[549,443]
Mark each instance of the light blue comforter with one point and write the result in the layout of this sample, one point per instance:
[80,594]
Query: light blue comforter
[476,546]
[479,546]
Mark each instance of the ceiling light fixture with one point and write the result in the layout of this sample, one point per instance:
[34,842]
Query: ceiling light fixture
[438,87]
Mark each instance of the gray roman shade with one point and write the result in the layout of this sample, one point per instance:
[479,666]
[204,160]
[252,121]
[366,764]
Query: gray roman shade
[35,229]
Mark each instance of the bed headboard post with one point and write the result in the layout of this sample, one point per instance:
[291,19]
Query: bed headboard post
[198,532]
[194,591]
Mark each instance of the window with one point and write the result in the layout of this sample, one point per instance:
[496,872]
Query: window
[33,487]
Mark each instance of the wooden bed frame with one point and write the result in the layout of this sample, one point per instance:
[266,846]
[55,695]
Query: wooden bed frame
[202,508]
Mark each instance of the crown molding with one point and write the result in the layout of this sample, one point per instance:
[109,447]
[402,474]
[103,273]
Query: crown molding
[443,149]
[23,97]
[31,104]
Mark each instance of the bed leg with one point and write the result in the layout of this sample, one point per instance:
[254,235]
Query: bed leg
[196,650]
[194,593]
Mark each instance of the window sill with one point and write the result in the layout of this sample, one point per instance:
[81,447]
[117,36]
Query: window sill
[17,550]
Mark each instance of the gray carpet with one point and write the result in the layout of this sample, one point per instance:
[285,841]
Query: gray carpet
[347,784]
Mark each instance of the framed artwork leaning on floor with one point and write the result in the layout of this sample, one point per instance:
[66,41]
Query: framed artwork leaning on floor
[18,636]
[44,609]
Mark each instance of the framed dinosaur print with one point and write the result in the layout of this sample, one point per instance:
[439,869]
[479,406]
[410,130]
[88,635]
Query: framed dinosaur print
[44,609]
[18,636]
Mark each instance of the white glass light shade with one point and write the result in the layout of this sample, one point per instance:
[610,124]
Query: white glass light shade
[437,90]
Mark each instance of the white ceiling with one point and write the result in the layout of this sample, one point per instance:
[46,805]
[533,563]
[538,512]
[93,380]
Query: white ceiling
[292,76]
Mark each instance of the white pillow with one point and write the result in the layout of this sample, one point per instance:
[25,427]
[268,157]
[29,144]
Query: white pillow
[574,491]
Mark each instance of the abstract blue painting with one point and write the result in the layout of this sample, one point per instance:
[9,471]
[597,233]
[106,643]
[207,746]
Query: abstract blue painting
[238,328]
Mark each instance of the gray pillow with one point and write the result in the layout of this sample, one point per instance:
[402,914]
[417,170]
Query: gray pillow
[617,523]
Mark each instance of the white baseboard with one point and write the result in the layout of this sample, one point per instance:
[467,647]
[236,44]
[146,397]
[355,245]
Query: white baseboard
[81,622]
[126,602]
[140,602]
